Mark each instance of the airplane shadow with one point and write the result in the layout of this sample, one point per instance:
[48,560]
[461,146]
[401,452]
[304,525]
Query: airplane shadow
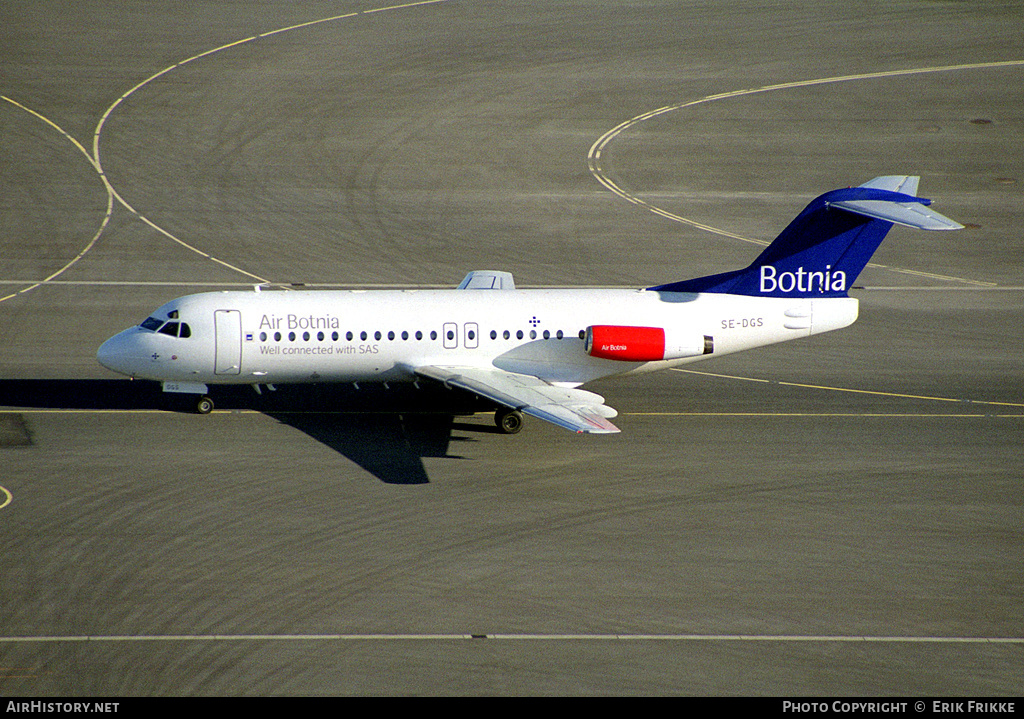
[387,431]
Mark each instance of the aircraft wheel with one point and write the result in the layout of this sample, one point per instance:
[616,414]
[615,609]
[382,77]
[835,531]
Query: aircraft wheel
[204,405]
[509,421]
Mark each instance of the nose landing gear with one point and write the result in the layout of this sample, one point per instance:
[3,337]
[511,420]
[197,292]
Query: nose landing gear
[204,405]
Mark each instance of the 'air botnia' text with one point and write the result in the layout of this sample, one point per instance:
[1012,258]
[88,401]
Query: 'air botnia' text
[300,322]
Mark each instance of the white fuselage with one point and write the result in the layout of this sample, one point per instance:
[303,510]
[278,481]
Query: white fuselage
[267,337]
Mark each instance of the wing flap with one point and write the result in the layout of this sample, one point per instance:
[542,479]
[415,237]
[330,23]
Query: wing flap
[573,409]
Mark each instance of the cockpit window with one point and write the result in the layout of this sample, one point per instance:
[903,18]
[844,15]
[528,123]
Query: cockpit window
[171,329]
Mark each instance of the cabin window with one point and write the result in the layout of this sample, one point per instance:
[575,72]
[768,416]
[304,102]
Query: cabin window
[405,335]
[362,335]
[547,335]
[519,334]
[559,334]
[348,336]
[291,336]
[391,335]
[263,336]
[419,335]
[494,334]
[433,334]
[277,336]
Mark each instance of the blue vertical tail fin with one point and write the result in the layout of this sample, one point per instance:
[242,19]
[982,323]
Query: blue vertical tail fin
[824,249]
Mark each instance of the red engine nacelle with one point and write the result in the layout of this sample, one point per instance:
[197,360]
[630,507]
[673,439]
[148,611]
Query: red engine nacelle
[643,344]
[628,344]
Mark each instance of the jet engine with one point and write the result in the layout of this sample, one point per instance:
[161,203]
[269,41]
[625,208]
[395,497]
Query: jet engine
[644,344]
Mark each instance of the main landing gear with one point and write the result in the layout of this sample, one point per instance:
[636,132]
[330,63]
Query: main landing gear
[509,421]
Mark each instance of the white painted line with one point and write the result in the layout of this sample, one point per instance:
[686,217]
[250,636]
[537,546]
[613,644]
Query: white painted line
[971,288]
[106,217]
[858,415]
[801,638]
[724,376]
[857,391]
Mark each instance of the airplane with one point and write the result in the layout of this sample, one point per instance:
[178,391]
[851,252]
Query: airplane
[527,351]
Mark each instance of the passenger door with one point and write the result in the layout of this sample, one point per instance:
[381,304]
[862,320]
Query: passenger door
[228,343]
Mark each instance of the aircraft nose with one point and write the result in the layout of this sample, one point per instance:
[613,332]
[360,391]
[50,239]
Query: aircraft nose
[117,354]
[108,353]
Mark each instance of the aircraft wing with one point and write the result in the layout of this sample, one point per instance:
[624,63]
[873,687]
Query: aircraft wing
[573,409]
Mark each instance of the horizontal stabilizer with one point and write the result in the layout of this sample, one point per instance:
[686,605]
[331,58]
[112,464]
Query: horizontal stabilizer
[905,184]
[908,214]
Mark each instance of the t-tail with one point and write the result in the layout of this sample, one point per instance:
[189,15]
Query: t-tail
[824,249]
